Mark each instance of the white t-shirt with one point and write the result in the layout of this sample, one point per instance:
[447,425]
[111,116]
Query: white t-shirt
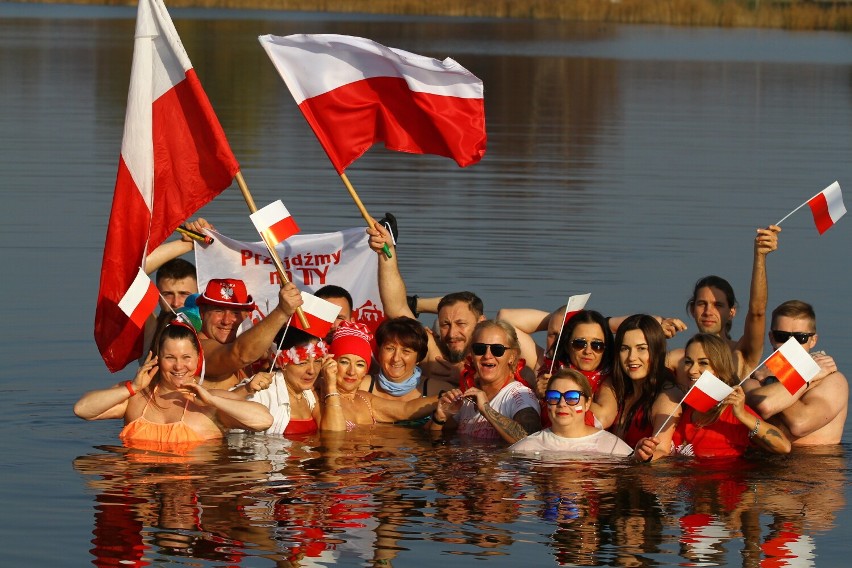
[277,399]
[511,399]
[601,442]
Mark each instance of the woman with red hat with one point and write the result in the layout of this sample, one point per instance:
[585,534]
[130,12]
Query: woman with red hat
[164,405]
[345,406]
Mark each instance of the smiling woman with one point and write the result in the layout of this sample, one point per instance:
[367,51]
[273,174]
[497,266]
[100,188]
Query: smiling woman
[164,405]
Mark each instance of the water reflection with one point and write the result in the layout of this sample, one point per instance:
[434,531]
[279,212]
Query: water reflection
[387,493]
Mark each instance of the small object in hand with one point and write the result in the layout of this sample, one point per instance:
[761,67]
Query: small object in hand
[389,221]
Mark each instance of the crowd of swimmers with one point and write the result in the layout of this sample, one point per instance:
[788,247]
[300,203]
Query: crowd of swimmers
[599,385]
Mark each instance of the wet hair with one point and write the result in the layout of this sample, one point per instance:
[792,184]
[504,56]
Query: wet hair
[474,303]
[332,291]
[720,284]
[795,309]
[574,375]
[659,377]
[721,359]
[562,352]
[405,330]
[176,269]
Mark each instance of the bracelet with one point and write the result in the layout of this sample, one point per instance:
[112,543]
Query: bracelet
[753,432]
[331,394]
[129,385]
[436,421]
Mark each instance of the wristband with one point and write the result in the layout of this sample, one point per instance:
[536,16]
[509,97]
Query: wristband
[129,385]
[753,432]
[436,421]
[331,394]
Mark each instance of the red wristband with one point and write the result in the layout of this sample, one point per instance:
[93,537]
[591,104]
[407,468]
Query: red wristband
[129,385]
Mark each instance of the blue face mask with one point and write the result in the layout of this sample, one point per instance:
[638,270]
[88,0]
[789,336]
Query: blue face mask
[399,389]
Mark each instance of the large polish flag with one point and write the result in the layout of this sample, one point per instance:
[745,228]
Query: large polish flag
[174,160]
[274,222]
[827,207]
[355,92]
[320,314]
[708,391]
[792,365]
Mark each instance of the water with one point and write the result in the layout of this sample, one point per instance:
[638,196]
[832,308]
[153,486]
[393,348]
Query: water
[622,161]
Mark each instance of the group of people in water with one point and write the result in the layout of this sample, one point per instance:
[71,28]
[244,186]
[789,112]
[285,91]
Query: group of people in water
[598,386]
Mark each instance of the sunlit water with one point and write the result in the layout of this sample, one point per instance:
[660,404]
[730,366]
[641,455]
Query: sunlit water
[622,161]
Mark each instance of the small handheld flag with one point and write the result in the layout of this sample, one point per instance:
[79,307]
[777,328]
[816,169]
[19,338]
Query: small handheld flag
[826,206]
[274,223]
[792,365]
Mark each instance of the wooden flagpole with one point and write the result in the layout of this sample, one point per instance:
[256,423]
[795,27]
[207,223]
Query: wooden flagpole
[273,253]
[362,209]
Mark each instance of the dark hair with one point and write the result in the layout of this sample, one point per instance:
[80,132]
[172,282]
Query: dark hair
[720,284]
[719,353]
[176,269]
[795,309]
[472,300]
[332,291]
[294,337]
[658,378]
[168,328]
[407,331]
[562,352]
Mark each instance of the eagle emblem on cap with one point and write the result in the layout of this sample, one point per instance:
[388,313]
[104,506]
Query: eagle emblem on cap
[227,291]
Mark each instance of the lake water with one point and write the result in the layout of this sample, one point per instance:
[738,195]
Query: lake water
[623,161]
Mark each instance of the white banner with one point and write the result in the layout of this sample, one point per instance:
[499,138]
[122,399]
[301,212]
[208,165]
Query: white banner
[311,261]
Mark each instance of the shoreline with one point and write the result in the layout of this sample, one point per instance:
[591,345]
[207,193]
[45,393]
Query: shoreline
[823,15]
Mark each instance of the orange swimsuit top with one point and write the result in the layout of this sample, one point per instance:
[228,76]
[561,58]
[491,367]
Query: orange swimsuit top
[143,430]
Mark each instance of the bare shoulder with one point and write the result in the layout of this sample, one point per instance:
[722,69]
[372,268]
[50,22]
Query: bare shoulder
[834,387]
[668,400]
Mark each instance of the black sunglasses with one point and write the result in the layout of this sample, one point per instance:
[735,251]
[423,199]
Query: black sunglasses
[572,397]
[579,344]
[784,336]
[496,349]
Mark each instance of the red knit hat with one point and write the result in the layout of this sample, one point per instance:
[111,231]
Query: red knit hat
[352,338]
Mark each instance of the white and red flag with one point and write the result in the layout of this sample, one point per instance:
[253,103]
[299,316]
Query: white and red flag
[708,391]
[792,365]
[274,222]
[140,299]
[827,207]
[319,313]
[355,92]
[174,160]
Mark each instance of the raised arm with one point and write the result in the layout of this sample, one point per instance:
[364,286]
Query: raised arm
[751,343]
[391,285]
[112,402]
[225,359]
[173,249]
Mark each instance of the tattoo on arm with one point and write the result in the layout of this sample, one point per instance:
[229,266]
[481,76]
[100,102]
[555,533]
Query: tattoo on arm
[510,430]
[773,433]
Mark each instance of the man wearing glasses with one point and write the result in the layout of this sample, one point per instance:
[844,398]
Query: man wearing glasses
[816,414]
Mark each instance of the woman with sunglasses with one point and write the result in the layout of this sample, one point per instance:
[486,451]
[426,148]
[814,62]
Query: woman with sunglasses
[165,406]
[345,404]
[496,405]
[586,345]
[568,397]
[639,377]
[727,430]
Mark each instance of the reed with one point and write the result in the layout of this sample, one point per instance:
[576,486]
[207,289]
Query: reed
[787,14]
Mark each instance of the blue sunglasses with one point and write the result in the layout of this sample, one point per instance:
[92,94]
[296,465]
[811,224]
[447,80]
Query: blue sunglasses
[572,397]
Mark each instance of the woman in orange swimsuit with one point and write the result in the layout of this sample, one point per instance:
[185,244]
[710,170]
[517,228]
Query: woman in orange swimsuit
[164,404]
[345,406]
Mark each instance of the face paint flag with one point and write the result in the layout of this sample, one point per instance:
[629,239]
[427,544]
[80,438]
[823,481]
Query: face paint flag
[708,391]
[274,222]
[827,207]
[174,160]
[355,92]
[792,365]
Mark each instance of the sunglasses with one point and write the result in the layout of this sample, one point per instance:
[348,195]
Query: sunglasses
[579,344]
[572,397]
[784,336]
[496,349]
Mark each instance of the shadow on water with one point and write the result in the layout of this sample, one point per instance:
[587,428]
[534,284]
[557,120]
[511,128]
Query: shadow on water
[389,494]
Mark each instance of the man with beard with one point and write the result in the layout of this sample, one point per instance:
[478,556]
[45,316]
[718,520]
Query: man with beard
[458,314]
